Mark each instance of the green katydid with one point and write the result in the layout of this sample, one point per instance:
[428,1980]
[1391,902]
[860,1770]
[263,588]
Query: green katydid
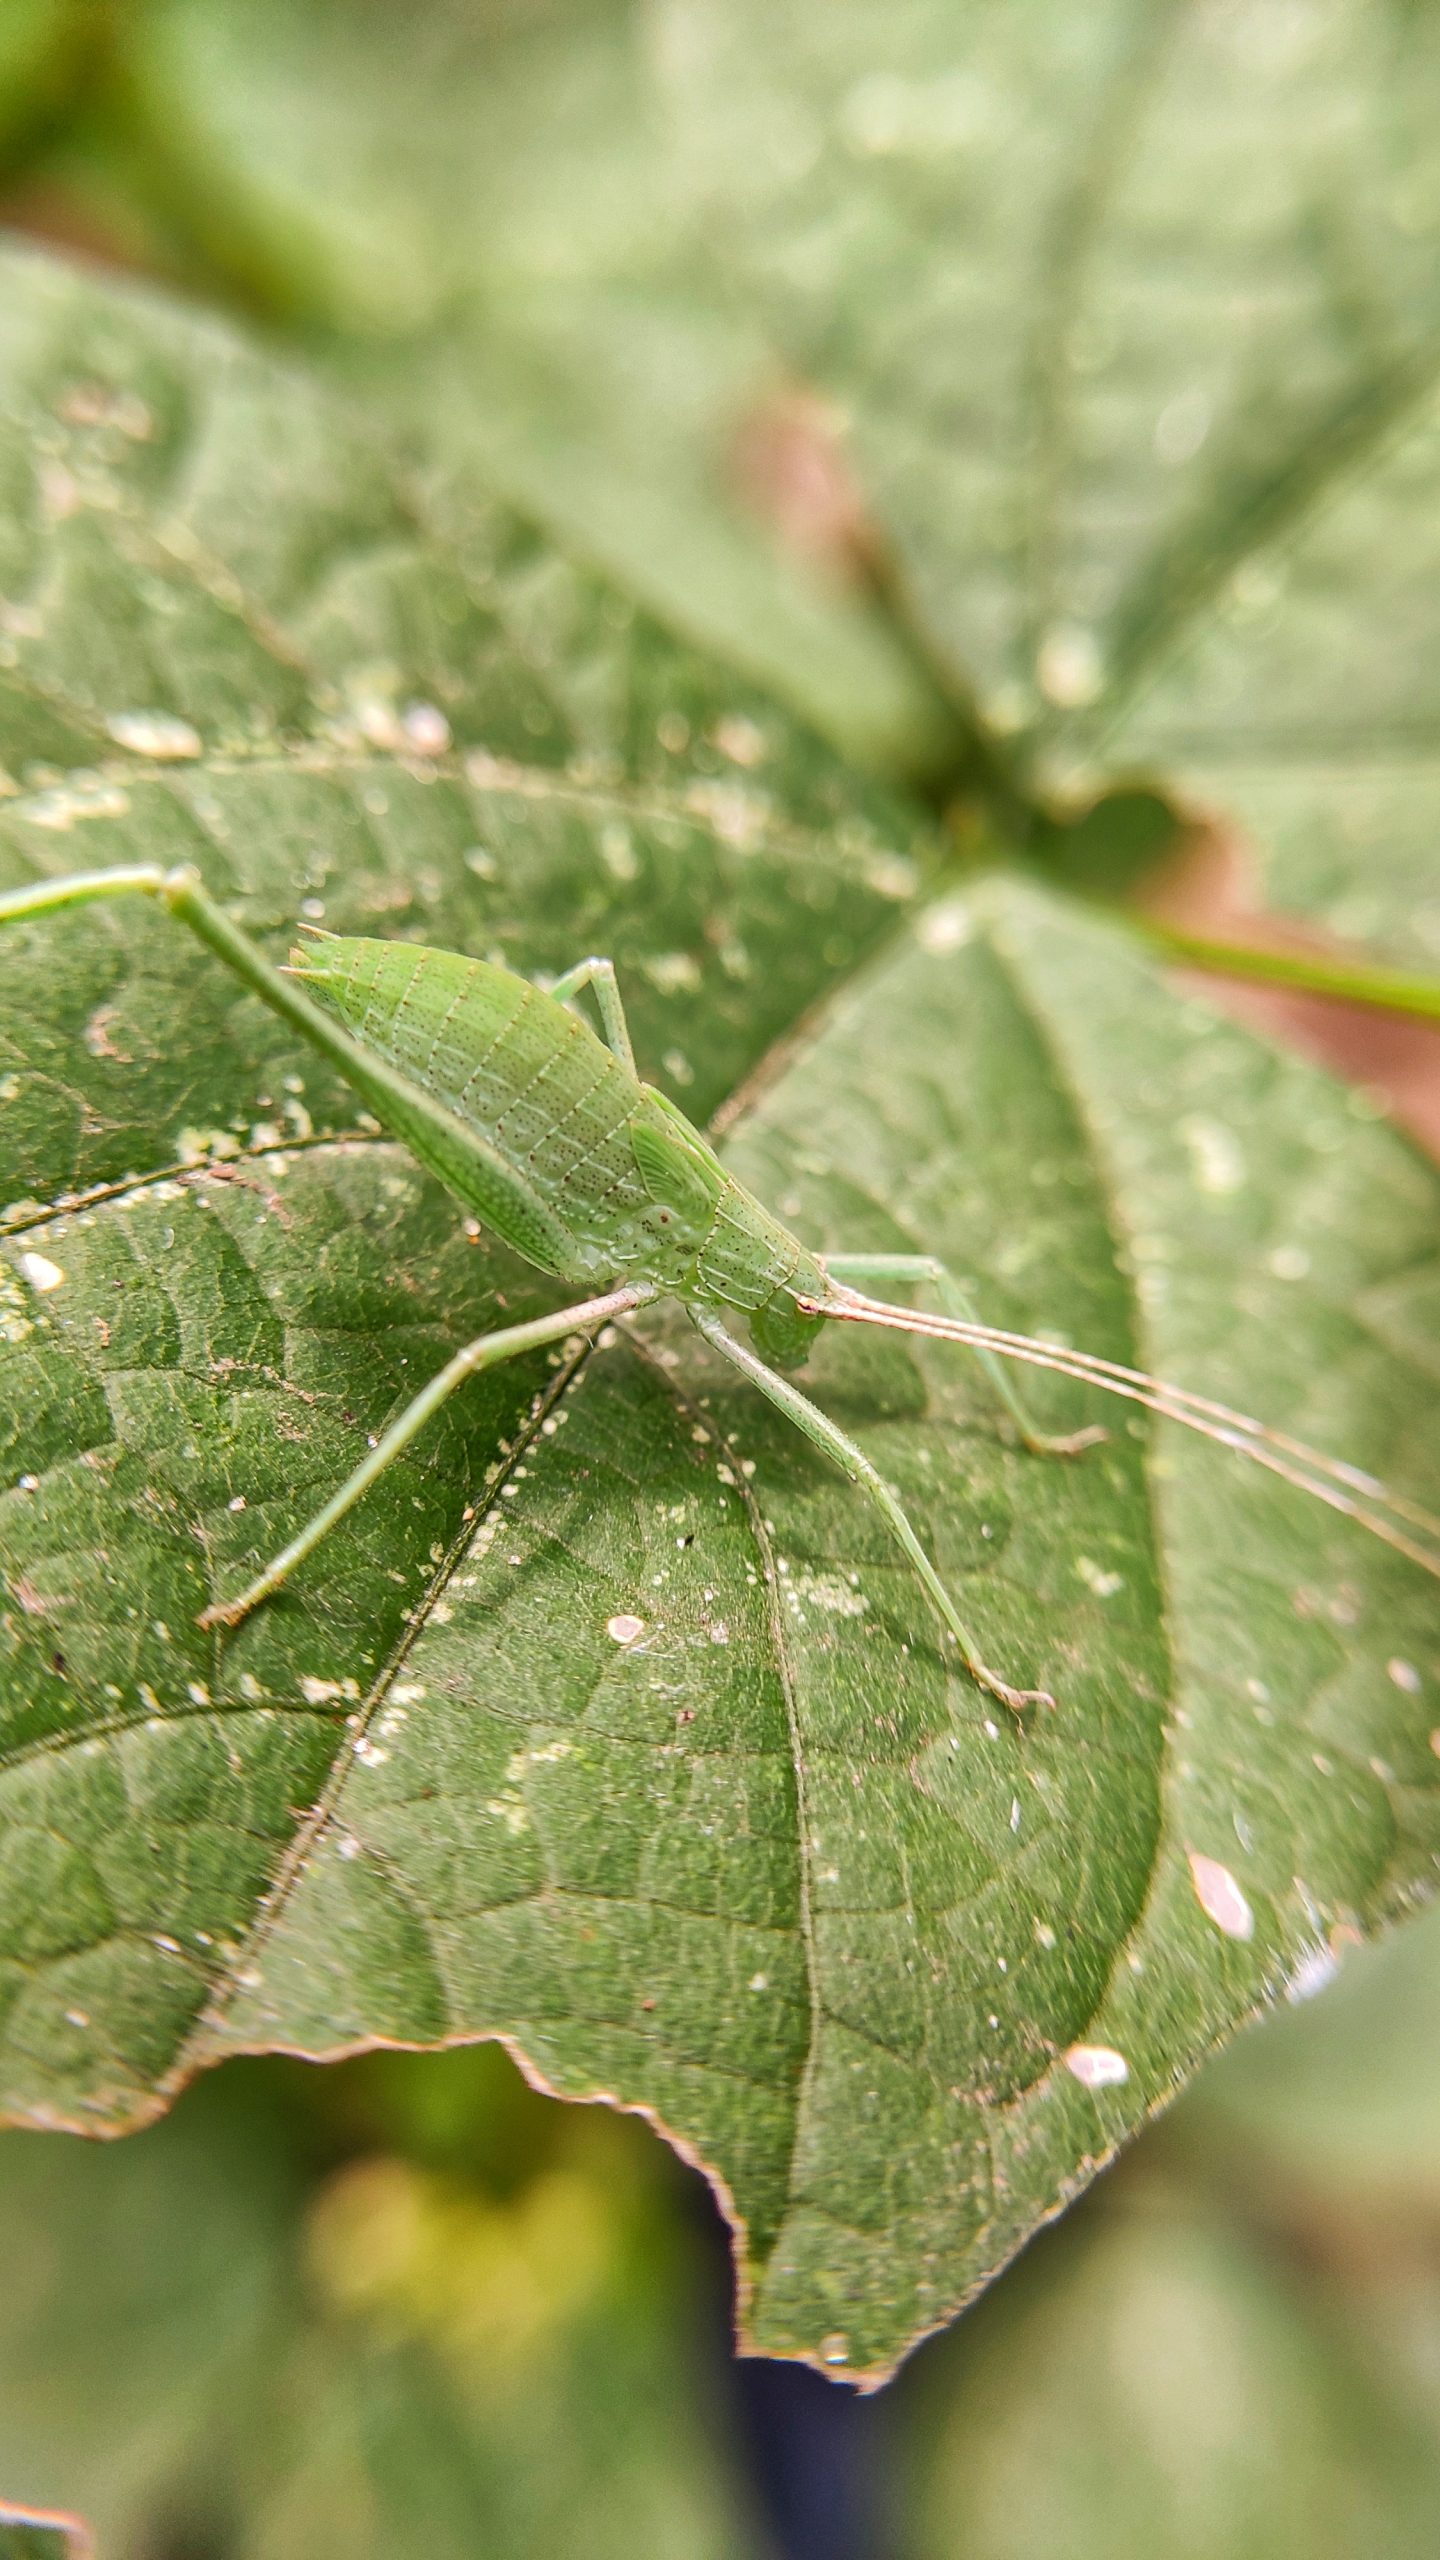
[547,1135]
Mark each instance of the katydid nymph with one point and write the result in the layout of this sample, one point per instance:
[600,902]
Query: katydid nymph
[546,1134]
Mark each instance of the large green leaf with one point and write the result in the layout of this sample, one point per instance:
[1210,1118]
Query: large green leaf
[1133,310]
[899,1974]
[481,201]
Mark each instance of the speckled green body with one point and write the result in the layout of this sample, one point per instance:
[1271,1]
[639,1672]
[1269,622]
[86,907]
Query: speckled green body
[549,1140]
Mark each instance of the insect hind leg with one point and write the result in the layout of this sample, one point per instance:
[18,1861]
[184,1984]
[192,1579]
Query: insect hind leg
[926,1270]
[847,1455]
[483,1353]
[600,974]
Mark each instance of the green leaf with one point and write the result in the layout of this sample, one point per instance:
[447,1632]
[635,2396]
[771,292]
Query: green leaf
[764,1867]
[38,42]
[1345,2097]
[1133,312]
[36,2536]
[1172,2388]
[201,2332]
[31,2534]
[483,204]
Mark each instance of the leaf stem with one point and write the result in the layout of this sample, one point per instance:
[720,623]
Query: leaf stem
[1387,990]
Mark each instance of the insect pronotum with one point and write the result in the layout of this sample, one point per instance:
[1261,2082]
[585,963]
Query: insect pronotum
[547,1135]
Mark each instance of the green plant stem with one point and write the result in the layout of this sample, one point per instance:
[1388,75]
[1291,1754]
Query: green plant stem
[1386,990]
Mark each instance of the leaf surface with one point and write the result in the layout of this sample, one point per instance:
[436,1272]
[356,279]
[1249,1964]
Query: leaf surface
[1133,313]
[609,1723]
[37,42]
[481,213]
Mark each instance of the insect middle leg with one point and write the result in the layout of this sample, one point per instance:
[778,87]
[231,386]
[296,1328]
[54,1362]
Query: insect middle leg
[924,1269]
[483,1353]
[851,1459]
[600,974]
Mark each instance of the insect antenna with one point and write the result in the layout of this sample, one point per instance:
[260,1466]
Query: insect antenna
[1347,1489]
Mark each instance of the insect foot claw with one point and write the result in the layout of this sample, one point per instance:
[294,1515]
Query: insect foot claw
[1017,1700]
[1063,1444]
[223,1613]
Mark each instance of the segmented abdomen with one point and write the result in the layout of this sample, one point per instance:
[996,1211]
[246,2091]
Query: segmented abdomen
[523,1071]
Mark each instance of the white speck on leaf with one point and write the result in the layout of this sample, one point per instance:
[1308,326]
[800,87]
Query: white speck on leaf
[1097,1579]
[1220,1897]
[623,1629]
[155,733]
[1289,1262]
[317,1693]
[1182,427]
[1312,1974]
[827,1591]
[1068,666]
[947,927]
[41,1274]
[1097,2066]
[426,728]
[59,810]
[1405,1676]
[675,973]
[1219,1164]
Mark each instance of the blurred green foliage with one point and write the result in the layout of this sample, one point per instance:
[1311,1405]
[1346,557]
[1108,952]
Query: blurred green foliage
[406,2305]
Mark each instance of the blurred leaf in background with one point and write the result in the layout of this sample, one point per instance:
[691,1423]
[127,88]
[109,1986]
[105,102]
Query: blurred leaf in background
[1107,336]
[416,2310]
[1132,311]
[478,209]
[1235,2347]
[33,2534]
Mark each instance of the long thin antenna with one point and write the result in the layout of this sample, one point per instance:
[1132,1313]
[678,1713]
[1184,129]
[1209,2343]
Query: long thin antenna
[1330,1480]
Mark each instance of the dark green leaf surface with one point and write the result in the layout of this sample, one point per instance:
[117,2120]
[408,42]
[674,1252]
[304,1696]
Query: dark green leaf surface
[899,1974]
[36,2536]
[1133,311]
[37,43]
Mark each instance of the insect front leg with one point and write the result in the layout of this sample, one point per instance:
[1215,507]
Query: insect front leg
[483,1353]
[926,1270]
[600,974]
[852,1461]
